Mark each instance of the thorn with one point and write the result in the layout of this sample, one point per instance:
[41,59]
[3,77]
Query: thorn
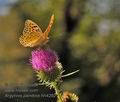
[70,73]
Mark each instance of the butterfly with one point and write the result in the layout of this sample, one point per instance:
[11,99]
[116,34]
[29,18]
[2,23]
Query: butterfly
[33,35]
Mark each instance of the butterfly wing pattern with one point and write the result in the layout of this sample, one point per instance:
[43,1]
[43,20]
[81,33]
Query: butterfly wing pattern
[33,35]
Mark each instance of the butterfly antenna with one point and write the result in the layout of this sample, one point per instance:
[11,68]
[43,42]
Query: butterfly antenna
[49,26]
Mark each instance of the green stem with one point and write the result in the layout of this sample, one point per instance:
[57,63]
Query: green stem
[57,91]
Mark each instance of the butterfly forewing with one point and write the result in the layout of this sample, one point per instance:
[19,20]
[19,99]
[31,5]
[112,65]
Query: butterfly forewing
[49,26]
[30,27]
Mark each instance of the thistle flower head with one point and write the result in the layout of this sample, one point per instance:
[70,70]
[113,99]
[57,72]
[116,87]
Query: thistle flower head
[69,97]
[43,59]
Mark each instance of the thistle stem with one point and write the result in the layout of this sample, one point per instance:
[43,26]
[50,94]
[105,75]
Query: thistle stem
[57,91]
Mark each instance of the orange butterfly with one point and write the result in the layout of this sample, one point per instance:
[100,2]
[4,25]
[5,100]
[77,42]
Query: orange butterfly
[33,35]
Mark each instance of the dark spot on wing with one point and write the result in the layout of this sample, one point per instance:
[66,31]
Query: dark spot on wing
[35,26]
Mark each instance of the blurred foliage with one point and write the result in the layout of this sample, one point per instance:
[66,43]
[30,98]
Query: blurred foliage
[86,36]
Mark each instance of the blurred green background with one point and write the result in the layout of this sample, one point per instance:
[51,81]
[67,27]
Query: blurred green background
[86,36]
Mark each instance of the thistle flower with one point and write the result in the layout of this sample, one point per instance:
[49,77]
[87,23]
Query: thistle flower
[69,97]
[43,60]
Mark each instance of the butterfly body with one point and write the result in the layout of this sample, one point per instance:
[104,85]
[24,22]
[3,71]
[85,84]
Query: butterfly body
[33,35]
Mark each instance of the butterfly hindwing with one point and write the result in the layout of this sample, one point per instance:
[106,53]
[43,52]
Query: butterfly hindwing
[29,39]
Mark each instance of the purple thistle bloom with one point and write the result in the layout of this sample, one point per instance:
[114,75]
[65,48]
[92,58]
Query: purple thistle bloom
[43,59]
